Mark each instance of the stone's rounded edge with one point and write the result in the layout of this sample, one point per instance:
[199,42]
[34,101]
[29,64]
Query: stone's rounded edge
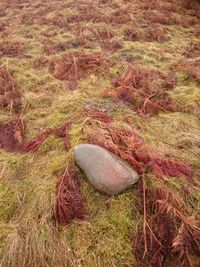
[80,146]
[134,175]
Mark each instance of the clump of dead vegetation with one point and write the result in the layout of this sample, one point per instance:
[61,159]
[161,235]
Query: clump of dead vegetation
[121,15]
[69,203]
[191,68]
[128,145]
[87,11]
[12,135]
[90,12]
[62,132]
[132,34]
[169,18]
[169,234]
[156,33]
[192,50]
[11,49]
[76,66]
[153,33]
[41,61]
[102,33]
[2,26]
[111,45]
[9,95]
[97,115]
[50,47]
[145,90]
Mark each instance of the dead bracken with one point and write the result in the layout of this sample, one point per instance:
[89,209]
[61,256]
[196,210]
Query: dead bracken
[129,146]
[158,238]
[75,66]
[11,49]
[69,203]
[12,135]
[145,90]
[9,95]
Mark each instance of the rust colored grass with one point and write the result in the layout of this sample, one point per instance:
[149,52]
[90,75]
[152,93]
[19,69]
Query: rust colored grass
[69,203]
[2,26]
[40,62]
[88,11]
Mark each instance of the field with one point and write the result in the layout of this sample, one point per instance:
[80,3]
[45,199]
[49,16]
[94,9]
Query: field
[123,74]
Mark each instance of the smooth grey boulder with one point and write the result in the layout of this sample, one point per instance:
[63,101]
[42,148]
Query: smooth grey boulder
[105,171]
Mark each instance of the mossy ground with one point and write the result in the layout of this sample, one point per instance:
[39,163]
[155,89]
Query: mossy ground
[27,181]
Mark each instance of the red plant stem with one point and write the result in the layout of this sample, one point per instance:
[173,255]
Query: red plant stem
[145,217]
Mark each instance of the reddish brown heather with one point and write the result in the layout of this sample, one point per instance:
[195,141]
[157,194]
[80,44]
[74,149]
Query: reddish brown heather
[69,203]
[2,26]
[156,33]
[87,11]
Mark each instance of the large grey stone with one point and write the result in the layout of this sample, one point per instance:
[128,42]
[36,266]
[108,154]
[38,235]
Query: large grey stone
[104,170]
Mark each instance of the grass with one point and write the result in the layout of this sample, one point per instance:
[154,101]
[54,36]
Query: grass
[28,237]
